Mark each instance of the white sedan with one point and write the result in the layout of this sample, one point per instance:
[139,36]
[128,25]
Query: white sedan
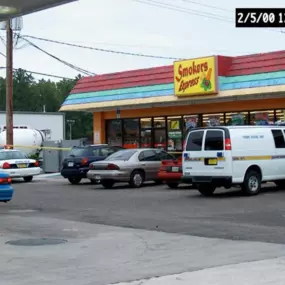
[18,165]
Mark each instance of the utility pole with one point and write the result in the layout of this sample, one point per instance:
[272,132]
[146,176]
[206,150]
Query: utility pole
[70,122]
[9,84]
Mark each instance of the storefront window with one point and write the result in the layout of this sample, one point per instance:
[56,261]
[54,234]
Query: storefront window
[114,132]
[190,122]
[146,123]
[237,119]
[131,133]
[159,122]
[174,128]
[212,120]
[262,118]
[159,132]
[146,132]
[280,117]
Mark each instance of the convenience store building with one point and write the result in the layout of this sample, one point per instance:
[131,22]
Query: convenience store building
[155,107]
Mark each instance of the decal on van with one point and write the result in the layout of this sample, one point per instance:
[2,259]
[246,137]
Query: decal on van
[202,158]
[258,157]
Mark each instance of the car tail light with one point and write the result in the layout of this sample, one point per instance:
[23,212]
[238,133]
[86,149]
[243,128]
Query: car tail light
[112,166]
[6,165]
[91,166]
[84,161]
[228,145]
[37,164]
[7,180]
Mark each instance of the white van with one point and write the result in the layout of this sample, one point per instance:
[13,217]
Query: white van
[235,155]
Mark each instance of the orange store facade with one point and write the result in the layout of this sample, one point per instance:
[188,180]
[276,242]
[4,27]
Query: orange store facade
[156,107]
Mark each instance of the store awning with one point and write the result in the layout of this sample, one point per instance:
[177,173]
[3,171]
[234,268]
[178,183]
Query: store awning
[14,8]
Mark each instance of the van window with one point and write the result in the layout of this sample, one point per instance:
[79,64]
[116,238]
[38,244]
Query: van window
[278,138]
[214,140]
[195,140]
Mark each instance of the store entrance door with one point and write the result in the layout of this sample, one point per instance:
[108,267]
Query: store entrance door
[160,138]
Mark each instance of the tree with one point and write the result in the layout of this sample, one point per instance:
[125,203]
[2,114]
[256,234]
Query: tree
[31,95]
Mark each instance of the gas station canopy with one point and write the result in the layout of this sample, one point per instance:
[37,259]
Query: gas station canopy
[14,8]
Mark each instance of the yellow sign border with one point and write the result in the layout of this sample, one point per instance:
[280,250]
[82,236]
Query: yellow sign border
[214,92]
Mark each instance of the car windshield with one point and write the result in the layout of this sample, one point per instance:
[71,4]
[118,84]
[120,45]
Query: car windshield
[121,155]
[78,151]
[6,155]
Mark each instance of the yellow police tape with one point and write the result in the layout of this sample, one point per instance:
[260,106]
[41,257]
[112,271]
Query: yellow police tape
[54,148]
[36,147]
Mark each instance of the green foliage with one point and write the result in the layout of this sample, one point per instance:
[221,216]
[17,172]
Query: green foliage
[35,156]
[31,95]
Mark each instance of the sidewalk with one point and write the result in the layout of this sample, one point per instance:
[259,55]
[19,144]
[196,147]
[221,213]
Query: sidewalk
[101,255]
[266,272]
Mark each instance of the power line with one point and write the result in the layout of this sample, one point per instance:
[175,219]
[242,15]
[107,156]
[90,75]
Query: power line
[183,10]
[195,12]
[86,72]
[40,73]
[36,72]
[98,49]
[206,5]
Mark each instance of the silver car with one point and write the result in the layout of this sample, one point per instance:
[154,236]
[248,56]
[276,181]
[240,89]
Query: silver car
[134,166]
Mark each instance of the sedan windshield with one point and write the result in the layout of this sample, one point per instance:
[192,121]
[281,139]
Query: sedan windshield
[123,155]
[6,155]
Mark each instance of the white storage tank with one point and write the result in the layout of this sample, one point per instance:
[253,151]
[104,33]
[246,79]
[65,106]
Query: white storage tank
[26,140]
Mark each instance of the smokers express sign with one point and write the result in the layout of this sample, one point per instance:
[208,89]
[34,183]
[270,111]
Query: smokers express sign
[195,77]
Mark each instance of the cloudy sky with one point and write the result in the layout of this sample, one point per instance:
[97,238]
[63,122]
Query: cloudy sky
[132,26]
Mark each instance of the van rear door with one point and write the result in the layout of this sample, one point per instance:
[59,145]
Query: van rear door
[212,158]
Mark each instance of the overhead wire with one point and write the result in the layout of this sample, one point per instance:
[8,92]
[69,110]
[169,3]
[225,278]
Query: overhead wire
[98,49]
[207,6]
[185,10]
[196,12]
[86,72]
[36,72]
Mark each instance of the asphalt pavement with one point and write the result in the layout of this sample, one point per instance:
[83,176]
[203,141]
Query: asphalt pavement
[124,234]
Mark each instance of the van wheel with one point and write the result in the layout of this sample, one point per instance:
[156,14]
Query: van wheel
[206,189]
[172,185]
[252,183]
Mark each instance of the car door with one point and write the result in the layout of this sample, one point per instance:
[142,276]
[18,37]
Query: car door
[148,160]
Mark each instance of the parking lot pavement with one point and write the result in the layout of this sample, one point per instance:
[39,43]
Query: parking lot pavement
[226,215]
[96,254]
[124,234]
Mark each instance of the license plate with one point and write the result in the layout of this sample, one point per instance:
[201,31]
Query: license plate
[97,177]
[70,164]
[212,161]
[175,169]
[22,165]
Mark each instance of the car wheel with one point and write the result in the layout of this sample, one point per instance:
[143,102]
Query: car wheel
[28,178]
[252,183]
[206,189]
[74,181]
[137,179]
[94,181]
[108,184]
[172,185]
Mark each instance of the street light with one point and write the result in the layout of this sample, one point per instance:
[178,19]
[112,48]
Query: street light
[70,122]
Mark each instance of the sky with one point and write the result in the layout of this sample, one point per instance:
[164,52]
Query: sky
[131,26]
